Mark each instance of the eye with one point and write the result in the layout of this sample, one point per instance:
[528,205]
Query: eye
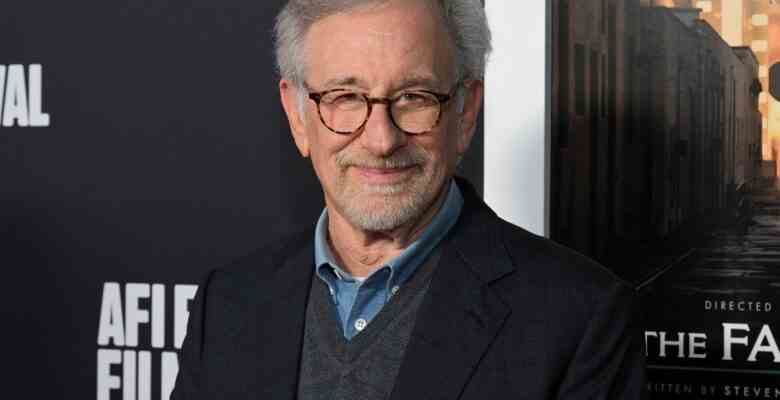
[412,97]
[343,99]
[415,99]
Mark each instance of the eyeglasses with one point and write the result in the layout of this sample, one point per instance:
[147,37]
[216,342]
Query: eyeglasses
[415,112]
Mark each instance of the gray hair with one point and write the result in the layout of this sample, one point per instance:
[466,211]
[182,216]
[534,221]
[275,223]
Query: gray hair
[464,19]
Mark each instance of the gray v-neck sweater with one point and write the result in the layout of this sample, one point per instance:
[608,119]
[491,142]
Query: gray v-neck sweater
[364,368]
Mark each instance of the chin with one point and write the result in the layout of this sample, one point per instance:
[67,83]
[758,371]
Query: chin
[386,213]
[372,222]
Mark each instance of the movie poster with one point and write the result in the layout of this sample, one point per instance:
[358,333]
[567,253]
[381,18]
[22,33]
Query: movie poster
[664,138]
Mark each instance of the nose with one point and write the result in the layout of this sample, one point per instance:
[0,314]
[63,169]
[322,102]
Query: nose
[380,136]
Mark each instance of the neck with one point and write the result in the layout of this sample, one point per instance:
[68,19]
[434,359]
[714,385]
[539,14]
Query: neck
[362,252]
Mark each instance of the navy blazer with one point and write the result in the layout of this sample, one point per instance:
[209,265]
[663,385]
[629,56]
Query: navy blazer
[508,315]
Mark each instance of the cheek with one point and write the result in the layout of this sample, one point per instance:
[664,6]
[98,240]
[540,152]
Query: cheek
[455,136]
[441,153]
[325,147]
[449,143]
[324,162]
[311,118]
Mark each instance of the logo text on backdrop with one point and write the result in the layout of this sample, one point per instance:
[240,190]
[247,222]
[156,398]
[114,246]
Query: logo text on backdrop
[132,334]
[21,99]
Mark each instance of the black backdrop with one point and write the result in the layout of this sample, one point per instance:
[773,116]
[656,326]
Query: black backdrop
[167,154]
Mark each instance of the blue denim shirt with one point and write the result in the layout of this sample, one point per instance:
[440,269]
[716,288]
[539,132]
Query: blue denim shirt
[358,302]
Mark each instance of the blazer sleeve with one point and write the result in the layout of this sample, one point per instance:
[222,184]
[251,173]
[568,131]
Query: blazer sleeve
[610,361]
[189,380]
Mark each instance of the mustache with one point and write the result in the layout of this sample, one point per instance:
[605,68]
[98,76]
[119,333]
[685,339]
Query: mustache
[403,159]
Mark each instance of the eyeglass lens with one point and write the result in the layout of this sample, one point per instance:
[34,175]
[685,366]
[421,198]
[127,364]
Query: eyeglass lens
[346,112]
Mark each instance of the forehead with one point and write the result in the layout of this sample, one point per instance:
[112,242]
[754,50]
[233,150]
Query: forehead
[380,46]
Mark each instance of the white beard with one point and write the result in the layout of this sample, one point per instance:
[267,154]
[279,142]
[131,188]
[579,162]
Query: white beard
[391,206]
[377,208]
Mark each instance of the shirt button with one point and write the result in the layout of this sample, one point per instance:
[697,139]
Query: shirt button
[394,290]
[360,324]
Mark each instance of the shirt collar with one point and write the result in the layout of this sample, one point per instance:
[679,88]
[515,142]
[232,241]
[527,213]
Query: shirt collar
[412,256]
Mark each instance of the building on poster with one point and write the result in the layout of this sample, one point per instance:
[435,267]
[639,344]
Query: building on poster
[656,124]
[592,118]
[746,23]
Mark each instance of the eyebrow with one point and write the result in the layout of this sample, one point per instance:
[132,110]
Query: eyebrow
[346,81]
[419,80]
[409,81]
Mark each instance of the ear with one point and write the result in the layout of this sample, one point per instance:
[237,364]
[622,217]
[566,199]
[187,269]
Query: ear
[289,93]
[472,104]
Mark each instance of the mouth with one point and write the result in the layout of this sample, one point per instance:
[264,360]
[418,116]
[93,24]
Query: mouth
[383,175]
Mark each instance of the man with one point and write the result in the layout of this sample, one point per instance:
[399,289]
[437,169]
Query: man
[409,287]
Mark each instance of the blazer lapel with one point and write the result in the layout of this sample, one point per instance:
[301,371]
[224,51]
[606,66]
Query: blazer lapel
[461,314]
[274,337]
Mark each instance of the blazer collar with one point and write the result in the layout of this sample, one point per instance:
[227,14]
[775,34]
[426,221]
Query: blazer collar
[277,327]
[461,314]
[477,237]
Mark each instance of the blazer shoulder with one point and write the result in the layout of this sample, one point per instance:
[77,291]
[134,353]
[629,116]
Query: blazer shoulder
[562,285]
[269,257]
[245,275]
[542,259]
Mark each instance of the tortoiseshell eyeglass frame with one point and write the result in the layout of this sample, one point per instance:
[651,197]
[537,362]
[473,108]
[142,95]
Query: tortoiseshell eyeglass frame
[442,99]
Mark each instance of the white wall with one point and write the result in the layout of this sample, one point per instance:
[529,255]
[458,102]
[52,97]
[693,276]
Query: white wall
[516,143]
